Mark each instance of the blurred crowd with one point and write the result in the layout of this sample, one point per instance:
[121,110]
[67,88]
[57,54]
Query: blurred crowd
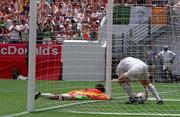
[57,20]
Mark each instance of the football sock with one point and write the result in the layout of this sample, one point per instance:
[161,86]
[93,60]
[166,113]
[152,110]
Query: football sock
[66,96]
[128,89]
[154,92]
[50,96]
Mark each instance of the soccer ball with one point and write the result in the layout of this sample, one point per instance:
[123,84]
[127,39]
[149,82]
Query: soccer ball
[140,97]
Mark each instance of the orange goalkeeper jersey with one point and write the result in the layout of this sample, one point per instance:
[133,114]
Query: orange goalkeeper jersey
[89,93]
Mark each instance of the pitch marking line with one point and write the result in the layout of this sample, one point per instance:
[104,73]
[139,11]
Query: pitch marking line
[50,108]
[169,100]
[132,114]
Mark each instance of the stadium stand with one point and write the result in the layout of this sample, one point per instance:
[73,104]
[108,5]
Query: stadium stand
[57,19]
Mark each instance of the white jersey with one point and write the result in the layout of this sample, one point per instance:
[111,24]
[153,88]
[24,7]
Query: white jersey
[135,69]
[14,34]
[166,56]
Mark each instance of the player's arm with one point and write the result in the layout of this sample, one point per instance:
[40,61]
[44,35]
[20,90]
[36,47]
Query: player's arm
[158,55]
[103,97]
[145,84]
[173,57]
[95,96]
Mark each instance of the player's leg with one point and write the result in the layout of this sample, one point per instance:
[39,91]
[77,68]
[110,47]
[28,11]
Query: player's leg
[131,74]
[151,72]
[145,83]
[151,88]
[166,71]
[67,97]
[144,79]
[169,69]
[48,96]
[123,81]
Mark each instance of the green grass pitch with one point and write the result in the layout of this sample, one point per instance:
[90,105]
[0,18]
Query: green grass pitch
[13,95]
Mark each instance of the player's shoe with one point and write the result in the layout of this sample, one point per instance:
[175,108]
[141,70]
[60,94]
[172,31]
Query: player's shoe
[160,102]
[37,95]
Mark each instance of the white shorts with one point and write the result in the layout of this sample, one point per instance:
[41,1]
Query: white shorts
[167,66]
[138,72]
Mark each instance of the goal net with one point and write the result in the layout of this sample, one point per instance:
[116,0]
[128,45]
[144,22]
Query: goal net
[88,55]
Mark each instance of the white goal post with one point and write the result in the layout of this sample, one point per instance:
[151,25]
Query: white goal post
[32,56]
[109,47]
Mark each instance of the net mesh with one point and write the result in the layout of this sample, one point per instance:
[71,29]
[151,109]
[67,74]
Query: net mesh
[139,29]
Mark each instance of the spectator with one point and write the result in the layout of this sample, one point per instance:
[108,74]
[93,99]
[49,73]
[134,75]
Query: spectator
[150,56]
[83,4]
[67,28]
[24,29]
[2,28]
[6,35]
[74,27]
[40,35]
[80,16]
[167,57]
[94,31]
[87,18]
[9,20]
[14,6]
[26,7]
[20,6]
[62,8]
[43,10]
[77,9]
[14,32]
[1,35]
[69,11]
[48,29]
[54,6]
[61,36]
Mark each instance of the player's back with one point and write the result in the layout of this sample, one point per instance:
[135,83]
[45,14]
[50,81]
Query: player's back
[132,61]
[127,63]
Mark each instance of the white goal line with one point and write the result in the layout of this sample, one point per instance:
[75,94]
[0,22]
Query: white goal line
[132,114]
[169,100]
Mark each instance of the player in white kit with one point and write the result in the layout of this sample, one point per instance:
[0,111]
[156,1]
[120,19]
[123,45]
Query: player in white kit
[134,69]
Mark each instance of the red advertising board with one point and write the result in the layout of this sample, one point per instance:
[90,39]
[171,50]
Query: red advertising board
[14,56]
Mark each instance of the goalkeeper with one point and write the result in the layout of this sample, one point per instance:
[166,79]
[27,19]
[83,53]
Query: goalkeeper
[95,93]
[134,69]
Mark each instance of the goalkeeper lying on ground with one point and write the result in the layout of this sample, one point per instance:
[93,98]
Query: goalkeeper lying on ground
[82,94]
